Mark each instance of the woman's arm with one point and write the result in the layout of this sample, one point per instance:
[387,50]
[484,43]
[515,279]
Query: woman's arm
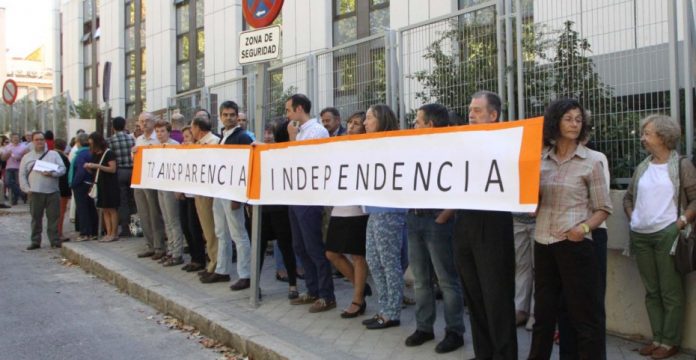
[110,167]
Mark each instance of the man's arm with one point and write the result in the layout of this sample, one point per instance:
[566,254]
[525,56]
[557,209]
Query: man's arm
[23,176]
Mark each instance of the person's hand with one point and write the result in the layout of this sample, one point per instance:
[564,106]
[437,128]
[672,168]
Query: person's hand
[680,224]
[293,129]
[576,234]
[179,196]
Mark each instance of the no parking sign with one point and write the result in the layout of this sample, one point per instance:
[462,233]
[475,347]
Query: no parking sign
[261,13]
[9,92]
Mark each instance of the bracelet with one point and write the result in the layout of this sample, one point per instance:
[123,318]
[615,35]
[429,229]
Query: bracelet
[585,228]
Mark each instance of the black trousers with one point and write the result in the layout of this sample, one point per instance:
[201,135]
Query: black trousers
[192,230]
[568,335]
[85,211]
[276,225]
[125,207]
[567,273]
[484,250]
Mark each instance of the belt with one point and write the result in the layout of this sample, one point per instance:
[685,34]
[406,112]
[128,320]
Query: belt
[424,212]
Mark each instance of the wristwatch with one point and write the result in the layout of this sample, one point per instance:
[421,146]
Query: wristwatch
[585,228]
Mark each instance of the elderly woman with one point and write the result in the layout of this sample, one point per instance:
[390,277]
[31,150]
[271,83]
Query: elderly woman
[573,201]
[103,165]
[346,235]
[384,239]
[80,181]
[652,205]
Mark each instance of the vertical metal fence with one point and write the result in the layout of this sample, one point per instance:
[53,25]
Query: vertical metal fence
[353,76]
[447,59]
[612,55]
[188,102]
[29,114]
[237,90]
[284,80]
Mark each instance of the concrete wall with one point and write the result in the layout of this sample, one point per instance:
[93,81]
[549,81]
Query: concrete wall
[160,43]
[112,48]
[626,314]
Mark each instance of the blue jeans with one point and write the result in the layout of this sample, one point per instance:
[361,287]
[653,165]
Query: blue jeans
[430,248]
[12,179]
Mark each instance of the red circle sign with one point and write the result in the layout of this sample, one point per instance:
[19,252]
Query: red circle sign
[9,92]
[261,13]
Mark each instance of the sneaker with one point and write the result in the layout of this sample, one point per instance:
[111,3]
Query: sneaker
[418,338]
[304,299]
[322,305]
[451,342]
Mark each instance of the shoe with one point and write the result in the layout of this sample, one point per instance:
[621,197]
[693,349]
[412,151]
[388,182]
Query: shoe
[383,324]
[281,277]
[203,273]
[530,323]
[5,206]
[371,320]
[108,238]
[145,254]
[56,246]
[64,239]
[214,278]
[647,350]
[663,352]
[33,247]
[322,305]
[82,238]
[451,342]
[293,294]
[164,259]
[173,261]
[521,318]
[158,255]
[304,299]
[418,338]
[241,284]
[300,276]
[361,310]
[367,291]
[195,267]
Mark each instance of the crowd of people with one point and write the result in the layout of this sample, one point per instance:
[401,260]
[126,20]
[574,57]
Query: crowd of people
[545,270]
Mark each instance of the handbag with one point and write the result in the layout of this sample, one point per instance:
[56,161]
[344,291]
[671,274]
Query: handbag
[93,189]
[684,247]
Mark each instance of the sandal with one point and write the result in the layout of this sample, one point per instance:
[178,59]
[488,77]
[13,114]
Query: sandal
[283,278]
[173,261]
[293,294]
[81,238]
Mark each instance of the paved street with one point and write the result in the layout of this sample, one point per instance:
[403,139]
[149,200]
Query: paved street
[53,311]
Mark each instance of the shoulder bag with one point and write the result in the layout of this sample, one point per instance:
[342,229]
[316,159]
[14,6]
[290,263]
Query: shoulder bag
[93,189]
[685,244]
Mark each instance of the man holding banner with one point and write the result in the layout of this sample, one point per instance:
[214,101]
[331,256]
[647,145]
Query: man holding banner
[306,221]
[485,256]
[200,128]
[146,200]
[229,214]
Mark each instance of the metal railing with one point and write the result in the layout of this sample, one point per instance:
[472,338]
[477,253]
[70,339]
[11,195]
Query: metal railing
[286,79]
[29,114]
[238,90]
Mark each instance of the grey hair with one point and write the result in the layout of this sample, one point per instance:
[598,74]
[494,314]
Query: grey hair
[82,139]
[665,127]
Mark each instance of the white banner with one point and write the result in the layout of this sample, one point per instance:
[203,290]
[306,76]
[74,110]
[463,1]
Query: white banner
[470,167]
[217,170]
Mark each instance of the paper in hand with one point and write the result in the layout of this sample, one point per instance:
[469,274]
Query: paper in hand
[42,166]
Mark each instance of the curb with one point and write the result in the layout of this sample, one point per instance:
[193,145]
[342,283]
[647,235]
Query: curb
[238,334]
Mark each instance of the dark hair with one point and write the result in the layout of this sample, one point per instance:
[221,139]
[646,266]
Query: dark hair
[119,123]
[280,134]
[229,104]
[436,114]
[48,135]
[552,118]
[385,117]
[60,144]
[300,100]
[98,143]
[456,119]
[331,110]
[164,124]
[202,123]
[79,131]
[34,133]
[493,100]
[207,113]
[358,114]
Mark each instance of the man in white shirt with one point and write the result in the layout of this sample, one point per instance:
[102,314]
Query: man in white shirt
[146,200]
[306,221]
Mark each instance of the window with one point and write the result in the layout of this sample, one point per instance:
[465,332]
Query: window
[90,63]
[136,66]
[355,19]
[190,45]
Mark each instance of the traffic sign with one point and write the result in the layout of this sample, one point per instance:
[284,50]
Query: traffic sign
[9,92]
[259,45]
[261,13]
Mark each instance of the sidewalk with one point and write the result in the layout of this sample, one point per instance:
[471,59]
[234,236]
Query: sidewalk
[275,329]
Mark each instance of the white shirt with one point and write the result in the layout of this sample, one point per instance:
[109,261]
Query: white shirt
[347,211]
[142,140]
[312,129]
[227,133]
[208,139]
[655,208]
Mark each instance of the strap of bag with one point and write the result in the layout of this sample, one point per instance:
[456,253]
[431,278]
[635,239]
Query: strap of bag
[96,177]
[40,158]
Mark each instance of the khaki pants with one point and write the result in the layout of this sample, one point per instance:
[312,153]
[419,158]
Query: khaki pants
[204,207]
[50,203]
